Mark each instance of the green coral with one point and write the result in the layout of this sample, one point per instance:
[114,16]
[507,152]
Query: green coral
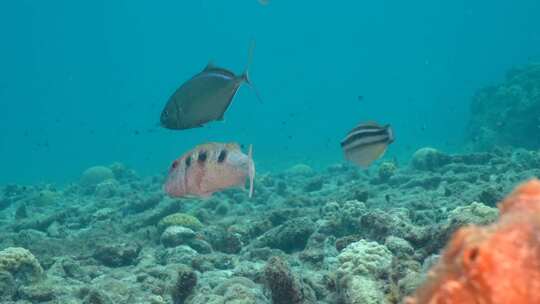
[21,264]
[180,219]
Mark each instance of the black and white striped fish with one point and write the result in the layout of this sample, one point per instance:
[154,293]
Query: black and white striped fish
[367,142]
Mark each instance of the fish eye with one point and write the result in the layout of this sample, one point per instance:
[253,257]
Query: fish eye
[202,156]
[222,155]
[174,164]
[188,161]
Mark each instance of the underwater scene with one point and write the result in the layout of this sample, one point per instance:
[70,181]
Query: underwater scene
[269,152]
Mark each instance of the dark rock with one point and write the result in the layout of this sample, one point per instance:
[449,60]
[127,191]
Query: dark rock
[315,184]
[21,212]
[507,114]
[185,283]
[490,196]
[200,246]
[290,236]
[94,296]
[142,204]
[232,243]
[7,286]
[37,293]
[343,242]
[284,286]
[279,216]
[176,235]
[5,202]
[117,255]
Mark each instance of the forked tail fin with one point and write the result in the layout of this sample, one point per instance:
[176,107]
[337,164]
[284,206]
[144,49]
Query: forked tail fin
[245,75]
[251,170]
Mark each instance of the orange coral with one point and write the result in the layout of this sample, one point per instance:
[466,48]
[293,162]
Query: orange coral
[496,264]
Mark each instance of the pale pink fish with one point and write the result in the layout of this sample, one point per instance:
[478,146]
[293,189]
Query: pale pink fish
[209,168]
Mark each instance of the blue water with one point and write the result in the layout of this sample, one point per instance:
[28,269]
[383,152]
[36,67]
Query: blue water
[83,83]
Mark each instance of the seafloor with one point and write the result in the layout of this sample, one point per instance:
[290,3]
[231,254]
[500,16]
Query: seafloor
[342,235]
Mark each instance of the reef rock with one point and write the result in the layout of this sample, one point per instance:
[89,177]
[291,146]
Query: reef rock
[429,159]
[507,114]
[95,175]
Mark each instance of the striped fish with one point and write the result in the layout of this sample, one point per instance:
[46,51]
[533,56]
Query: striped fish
[367,142]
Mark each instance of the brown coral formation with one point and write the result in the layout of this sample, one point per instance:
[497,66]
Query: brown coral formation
[499,263]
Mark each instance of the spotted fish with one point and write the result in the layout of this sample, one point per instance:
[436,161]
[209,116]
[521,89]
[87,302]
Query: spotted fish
[209,168]
[204,98]
[366,143]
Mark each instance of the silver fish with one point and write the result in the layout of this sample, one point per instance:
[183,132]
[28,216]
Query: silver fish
[204,98]
[366,143]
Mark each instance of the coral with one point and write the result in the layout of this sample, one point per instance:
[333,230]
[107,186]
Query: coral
[300,170]
[361,290]
[290,236]
[95,175]
[117,255]
[180,219]
[186,281]
[386,170]
[499,263]
[181,254]
[429,159]
[410,282]
[107,188]
[490,196]
[41,292]
[122,172]
[378,224]
[45,198]
[364,258]
[314,184]
[21,264]
[475,213]
[361,264]
[398,246]
[240,290]
[507,114]
[94,296]
[284,286]
[176,235]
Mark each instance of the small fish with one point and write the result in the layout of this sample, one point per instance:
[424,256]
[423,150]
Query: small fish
[209,168]
[366,143]
[204,98]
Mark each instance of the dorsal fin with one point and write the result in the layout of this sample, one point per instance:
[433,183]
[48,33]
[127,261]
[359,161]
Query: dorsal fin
[371,123]
[210,66]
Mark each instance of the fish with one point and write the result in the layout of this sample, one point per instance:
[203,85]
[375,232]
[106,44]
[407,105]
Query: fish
[205,97]
[367,142]
[209,168]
